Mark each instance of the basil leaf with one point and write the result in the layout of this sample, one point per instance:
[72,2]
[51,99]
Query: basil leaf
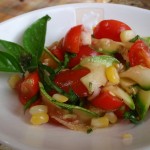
[135,39]
[72,108]
[52,84]
[52,55]
[47,75]
[34,37]
[12,48]
[132,116]
[64,64]
[73,98]
[8,63]
[27,63]
[24,58]
[31,101]
[89,130]
[48,69]
[41,70]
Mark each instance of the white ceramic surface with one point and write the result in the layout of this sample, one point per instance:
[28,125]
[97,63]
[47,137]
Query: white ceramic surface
[15,130]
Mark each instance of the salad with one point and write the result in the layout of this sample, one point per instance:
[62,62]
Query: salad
[87,80]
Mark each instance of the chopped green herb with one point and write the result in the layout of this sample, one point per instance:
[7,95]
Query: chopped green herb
[89,130]
[135,39]
[30,102]
[132,116]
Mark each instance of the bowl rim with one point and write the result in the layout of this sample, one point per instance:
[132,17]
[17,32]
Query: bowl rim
[77,5]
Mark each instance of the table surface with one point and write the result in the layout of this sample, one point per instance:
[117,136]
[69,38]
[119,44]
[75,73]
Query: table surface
[12,8]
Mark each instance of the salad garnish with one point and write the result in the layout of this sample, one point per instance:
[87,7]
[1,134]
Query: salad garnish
[83,81]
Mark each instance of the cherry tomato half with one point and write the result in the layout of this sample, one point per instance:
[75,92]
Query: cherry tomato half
[57,50]
[72,39]
[59,53]
[30,85]
[106,101]
[139,54]
[84,51]
[71,79]
[23,99]
[110,29]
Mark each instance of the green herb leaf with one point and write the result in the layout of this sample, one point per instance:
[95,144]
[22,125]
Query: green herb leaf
[18,52]
[73,108]
[12,48]
[135,39]
[8,63]
[52,84]
[26,61]
[89,130]
[50,71]
[67,58]
[52,55]
[34,37]
[64,64]
[132,116]
[73,98]
[47,76]
[31,101]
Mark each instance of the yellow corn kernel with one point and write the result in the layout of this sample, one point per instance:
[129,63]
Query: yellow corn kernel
[60,98]
[13,80]
[40,118]
[127,138]
[38,109]
[111,117]
[112,75]
[100,122]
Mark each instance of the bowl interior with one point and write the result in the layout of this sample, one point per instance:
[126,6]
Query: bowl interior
[14,127]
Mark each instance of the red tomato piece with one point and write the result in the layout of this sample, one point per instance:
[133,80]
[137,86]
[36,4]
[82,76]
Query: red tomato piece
[71,79]
[72,39]
[107,101]
[110,29]
[24,100]
[84,51]
[30,85]
[59,53]
[57,50]
[121,111]
[139,54]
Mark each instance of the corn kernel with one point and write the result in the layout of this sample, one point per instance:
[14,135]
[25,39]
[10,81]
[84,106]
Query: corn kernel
[100,122]
[60,98]
[112,75]
[38,109]
[111,117]
[39,118]
[127,35]
[127,138]
[13,80]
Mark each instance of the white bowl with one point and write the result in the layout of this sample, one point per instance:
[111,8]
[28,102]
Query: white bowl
[16,132]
